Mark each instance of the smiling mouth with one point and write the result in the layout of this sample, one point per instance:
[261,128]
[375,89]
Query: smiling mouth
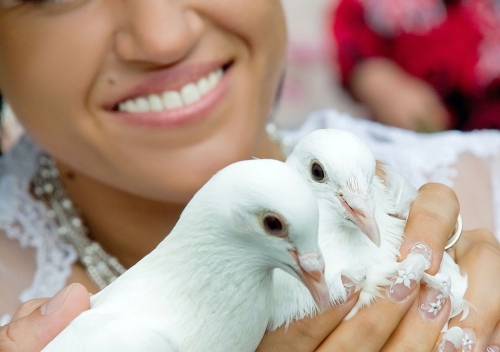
[187,95]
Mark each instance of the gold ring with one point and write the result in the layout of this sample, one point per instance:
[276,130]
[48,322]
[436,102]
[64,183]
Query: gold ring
[456,234]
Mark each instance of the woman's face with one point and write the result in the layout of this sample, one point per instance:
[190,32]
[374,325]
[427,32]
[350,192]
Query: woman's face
[150,96]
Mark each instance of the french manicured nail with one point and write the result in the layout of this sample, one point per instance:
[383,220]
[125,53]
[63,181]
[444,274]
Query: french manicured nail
[408,275]
[492,349]
[353,281]
[424,250]
[469,340]
[431,302]
[451,340]
[55,302]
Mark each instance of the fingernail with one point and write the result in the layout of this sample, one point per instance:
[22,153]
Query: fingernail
[55,302]
[469,340]
[408,275]
[352,284]
[451,340]
[424,250]
[492,349]
[431,302]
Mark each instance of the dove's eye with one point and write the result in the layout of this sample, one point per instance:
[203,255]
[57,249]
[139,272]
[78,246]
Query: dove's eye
[274,225]
[317,171]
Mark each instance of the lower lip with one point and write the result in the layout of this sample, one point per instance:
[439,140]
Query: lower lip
[190,114]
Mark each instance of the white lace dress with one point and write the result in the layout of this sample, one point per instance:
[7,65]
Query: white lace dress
[35,263]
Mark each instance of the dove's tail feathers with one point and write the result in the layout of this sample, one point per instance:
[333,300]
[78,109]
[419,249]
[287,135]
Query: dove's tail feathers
[400,189]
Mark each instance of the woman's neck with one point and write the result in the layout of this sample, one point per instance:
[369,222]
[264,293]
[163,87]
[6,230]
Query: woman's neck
[128,226]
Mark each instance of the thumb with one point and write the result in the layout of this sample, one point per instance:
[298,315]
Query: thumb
[34,330]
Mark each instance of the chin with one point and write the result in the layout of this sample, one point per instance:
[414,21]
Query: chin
[177,182]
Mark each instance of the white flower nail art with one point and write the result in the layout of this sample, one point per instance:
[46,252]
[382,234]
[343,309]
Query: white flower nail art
[434,307]
[468,341]
[405,276]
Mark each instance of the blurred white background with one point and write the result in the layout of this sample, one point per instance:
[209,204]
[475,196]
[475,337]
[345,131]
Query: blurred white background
[311,82]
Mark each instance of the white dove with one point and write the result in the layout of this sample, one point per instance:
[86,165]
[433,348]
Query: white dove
[358,233]
[208,285]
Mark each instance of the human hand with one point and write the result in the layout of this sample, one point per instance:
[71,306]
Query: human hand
[396,98]
[478,254]
[39,321]
[385,325]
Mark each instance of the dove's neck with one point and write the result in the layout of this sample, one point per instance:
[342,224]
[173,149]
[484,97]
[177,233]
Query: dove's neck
[224,294]
[210,289]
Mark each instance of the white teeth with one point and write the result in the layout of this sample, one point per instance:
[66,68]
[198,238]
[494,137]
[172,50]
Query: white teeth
[213,79]
[172,100]
[130,106]
[142,105]
[155,103]
[169,100]
[190,93]
[204,86]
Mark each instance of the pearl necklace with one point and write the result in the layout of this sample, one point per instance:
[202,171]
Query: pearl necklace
[101,267]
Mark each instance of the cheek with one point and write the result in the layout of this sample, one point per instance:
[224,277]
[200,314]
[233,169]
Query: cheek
[260,26]
[47,66]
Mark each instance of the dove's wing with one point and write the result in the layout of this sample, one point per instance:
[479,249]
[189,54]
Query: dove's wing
[400,190]
[109,332]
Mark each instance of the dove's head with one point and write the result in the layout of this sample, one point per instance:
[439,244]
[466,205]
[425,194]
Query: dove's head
[339,168]
[270,218]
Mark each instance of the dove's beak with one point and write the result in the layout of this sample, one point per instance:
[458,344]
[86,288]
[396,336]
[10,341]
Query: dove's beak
[363,219]
[312,274]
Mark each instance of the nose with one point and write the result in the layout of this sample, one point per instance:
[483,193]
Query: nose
[157,31]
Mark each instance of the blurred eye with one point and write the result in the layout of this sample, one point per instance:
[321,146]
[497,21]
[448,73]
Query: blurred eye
[317,171]
[274,225]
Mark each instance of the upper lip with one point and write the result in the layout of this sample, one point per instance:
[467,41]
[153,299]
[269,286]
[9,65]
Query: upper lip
[173,78]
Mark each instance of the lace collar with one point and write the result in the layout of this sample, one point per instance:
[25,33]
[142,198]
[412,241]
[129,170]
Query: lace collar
[25,219]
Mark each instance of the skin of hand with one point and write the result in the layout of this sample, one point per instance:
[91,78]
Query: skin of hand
[396,98]
[38,321]
[389,326]
[478,253]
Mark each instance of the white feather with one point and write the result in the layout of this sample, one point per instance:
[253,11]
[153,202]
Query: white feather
[208,285]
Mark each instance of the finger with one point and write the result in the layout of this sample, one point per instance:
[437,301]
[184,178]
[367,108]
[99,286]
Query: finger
[432,219]
[449,341]
[494,343]
[478,255]
[28,307]
[370,328]
[34,331]
[308,333]
[421,326]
